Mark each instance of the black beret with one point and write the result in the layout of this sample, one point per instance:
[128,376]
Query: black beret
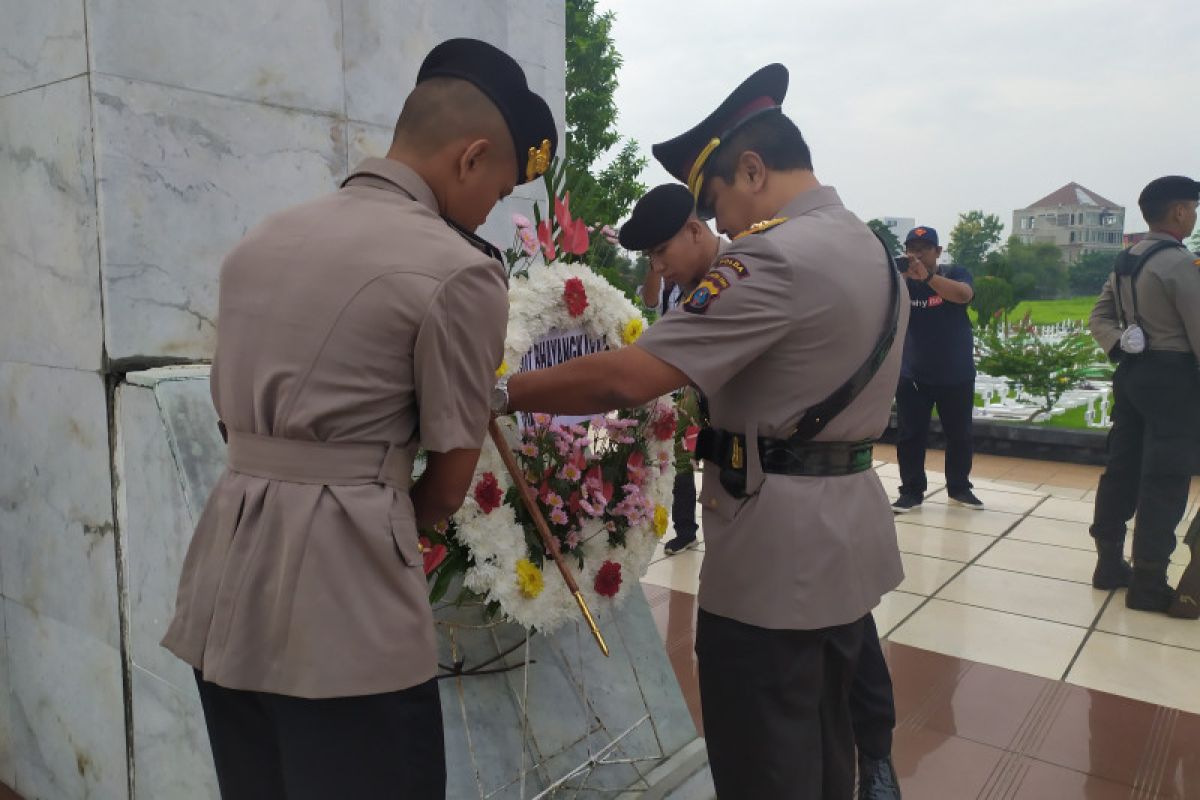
[658,216]
[686,155]
[1168,189]
[500,77]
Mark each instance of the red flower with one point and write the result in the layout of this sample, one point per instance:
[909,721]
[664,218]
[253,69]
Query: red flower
[433,554]
[573,503]
[545,237]
[488,494]
[689,438]
[664,426]
[608,579]
[575,296]
[573,237]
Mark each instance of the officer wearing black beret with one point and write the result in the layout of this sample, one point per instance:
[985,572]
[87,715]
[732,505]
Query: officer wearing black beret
[355,328]
[1148,318]
[793,337]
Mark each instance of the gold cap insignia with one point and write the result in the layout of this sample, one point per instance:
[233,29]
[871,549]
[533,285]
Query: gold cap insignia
[539,160]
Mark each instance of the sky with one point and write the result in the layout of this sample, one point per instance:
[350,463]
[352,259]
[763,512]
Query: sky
[927,108]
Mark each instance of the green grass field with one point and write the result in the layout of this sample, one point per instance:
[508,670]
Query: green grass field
[1049,312]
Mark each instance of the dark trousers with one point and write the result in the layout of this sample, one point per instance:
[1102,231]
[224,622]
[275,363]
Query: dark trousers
[872,705]
[683,505]
[1156,403]
[914,407]
[274,747]
[776,709]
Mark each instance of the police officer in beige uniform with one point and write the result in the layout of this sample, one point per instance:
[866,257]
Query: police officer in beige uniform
[799,538]
[354,329]
[1148,318]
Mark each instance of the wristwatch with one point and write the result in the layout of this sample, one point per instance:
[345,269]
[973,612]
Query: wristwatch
[500,397]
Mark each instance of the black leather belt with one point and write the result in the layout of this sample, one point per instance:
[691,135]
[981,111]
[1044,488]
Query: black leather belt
[783,456]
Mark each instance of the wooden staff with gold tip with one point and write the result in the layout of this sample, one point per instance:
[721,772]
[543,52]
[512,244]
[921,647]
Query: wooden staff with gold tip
[548,541]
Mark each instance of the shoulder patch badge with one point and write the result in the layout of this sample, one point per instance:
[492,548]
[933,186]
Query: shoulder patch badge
[734,264]
[705,293]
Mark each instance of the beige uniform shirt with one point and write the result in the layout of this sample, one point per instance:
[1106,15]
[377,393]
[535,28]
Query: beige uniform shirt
[1168,300]
[785,318]
[353,330]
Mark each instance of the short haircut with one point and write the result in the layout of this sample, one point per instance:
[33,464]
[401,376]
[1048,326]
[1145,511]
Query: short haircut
[440,110]
[773,136]
[1156,209]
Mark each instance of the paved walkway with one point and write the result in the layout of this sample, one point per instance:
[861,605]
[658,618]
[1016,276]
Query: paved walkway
[1014,677]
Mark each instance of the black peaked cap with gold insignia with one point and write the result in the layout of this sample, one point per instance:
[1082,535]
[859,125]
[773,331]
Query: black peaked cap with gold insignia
[500,77]
[659,215]
[687,155]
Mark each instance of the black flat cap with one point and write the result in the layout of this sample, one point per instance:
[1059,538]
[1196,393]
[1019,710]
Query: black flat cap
[1168,189]
[686,155]
[658,216]
[500,77]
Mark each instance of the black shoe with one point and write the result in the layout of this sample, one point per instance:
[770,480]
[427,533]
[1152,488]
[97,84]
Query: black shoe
[967,499]
[679,544]
[1148,588]
[906,503]
[877,779]
[1112,570]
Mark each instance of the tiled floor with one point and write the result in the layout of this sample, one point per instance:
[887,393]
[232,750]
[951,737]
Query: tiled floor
[1014,678]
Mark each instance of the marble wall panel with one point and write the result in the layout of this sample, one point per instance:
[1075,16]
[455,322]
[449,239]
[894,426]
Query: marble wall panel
[56,528]
[40,42]
[8,764]
[48,246]
[155,529]
[68,710]
[283,52]
[171,754]
[386,40]
[182,176]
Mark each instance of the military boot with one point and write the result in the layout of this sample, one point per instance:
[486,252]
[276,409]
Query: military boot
[877,779]
[1112,570]
[1148,588]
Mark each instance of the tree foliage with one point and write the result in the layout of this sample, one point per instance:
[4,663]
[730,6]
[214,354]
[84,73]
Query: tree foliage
[992,296]
[1045,368]
[598,193]
[885,233]
[1035,271]
[1088,274]
[975,234]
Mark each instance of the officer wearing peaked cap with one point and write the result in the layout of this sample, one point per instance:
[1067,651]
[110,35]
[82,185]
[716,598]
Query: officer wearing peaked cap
[355,329]
[793,336]
[1148,318]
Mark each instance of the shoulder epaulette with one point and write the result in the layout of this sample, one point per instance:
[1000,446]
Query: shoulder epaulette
[759,227]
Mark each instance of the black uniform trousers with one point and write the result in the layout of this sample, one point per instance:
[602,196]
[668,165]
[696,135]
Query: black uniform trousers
[683,505]
[872,702]
[776,710]
[1156,409]
[914,407]
[374,747]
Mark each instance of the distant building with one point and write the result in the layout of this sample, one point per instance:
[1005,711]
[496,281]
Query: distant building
[1075,219]
[899,225]
[1130,239]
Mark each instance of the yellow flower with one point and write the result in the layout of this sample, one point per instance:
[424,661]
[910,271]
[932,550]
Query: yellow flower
[632,330]
[502,369]
[660,521]
[529,578]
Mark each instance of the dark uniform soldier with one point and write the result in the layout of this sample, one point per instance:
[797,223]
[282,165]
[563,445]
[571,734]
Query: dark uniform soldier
[1148,319]
[790,336]
[354,329]
[681,249]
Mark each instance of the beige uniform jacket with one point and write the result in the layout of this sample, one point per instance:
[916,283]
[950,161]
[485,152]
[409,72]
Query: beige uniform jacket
[352,330]
[785,318]
[1168,300]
